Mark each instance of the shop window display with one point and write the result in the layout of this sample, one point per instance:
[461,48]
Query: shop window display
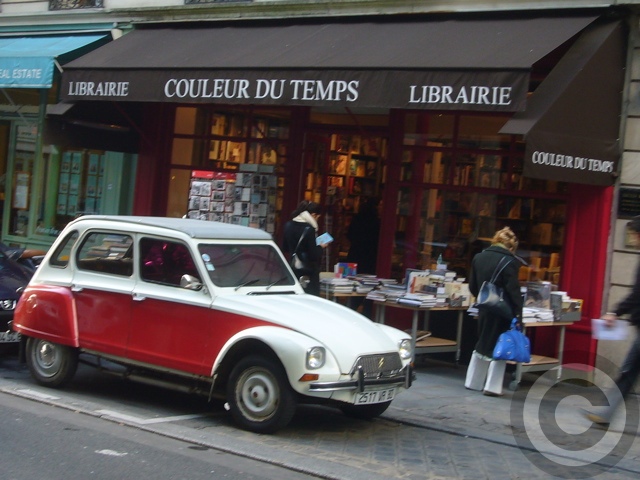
[231,144]
[342,171]
[463,181]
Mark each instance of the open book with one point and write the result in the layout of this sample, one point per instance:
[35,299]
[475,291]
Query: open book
[324,238]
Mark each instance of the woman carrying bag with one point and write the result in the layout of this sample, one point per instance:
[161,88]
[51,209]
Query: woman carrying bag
[300,239]
[485,373]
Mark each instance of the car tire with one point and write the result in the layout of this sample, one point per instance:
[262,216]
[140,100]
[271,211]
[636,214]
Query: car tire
[259,395]
[51,364]
[364,412]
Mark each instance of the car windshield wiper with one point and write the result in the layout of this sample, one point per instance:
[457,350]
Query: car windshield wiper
[277,281]
[248,282]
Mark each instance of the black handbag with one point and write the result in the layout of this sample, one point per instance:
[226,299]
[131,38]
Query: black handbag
[491,297]
[298,263]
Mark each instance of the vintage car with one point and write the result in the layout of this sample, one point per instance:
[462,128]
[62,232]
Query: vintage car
[209,308]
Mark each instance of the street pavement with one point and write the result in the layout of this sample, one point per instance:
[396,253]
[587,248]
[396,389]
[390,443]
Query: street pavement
[435,430]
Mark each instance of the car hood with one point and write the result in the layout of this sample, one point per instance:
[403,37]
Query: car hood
[341,330]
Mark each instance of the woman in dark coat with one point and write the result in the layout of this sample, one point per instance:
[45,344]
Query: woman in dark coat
[363,234]
[300,238]
[484,373]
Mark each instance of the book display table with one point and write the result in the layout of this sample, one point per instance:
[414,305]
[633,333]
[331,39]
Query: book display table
[541,363]
[331,295]
[428,344]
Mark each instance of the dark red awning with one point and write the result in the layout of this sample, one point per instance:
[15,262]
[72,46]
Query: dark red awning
[454,64]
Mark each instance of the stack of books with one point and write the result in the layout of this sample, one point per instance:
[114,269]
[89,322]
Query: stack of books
[338,285]
[533,314]
[387,292]
[420,300]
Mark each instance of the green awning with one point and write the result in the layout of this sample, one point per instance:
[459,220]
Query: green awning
[27,62]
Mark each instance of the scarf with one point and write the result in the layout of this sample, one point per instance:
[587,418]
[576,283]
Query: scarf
[305,217]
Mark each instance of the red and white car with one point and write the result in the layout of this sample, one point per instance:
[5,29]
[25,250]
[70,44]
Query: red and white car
[208,306]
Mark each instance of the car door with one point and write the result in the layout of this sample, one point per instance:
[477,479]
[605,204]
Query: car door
[170,325]
[102,286]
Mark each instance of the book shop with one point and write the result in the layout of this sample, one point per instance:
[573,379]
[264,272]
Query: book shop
[515,123]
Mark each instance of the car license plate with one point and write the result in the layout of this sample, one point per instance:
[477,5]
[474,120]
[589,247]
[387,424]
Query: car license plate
[9,337]
[375,396]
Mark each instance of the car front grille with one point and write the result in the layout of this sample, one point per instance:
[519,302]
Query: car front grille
[378,366]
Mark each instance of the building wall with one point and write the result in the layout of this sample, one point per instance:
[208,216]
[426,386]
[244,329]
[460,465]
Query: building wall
[624,260]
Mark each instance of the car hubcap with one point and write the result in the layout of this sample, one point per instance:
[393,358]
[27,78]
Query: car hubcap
[47,357]
[259,394]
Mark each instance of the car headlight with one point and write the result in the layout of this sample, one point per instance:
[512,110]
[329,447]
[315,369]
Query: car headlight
[7,304]
[404,349]
[316,357]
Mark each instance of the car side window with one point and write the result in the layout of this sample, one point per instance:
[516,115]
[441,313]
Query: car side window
[106,252]
[165,262]
[60,257]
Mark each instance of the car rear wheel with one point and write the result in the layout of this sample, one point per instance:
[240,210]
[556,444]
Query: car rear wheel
[51,364]
[364,412]
[260,397]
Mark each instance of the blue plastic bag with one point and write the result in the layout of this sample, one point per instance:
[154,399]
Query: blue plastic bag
[513,345]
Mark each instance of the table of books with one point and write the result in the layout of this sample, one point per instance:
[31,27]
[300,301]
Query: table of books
[540,363]
[421,339]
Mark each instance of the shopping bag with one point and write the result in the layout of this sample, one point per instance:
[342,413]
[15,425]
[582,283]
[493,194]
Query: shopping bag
[513,345]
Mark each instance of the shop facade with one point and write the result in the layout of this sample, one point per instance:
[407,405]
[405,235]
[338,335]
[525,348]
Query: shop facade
[457,135]
[46,180]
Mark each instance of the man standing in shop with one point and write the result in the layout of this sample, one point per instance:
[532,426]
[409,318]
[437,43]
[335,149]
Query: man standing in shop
[631,366]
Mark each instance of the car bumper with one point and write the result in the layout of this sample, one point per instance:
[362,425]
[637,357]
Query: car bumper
[359,383]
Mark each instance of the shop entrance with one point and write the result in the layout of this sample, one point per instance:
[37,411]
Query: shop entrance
[344,172]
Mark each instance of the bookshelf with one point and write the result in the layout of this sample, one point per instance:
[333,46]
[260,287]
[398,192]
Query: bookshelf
[340,171]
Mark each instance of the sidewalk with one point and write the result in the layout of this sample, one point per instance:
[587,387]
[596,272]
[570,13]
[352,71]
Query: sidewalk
[553,422]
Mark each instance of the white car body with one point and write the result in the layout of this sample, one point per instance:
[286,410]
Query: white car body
[209,304]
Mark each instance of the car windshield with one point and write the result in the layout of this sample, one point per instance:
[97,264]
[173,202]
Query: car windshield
[245,265]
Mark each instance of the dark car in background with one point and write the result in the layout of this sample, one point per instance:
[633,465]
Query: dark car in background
[17,266]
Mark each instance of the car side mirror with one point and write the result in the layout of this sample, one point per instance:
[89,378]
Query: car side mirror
[304,281]
[190,282]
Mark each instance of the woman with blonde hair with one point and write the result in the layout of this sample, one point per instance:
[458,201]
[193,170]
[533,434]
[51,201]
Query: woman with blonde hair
[484,373]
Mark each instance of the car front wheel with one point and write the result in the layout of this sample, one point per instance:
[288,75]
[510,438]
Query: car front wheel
[260,397]
[51,364]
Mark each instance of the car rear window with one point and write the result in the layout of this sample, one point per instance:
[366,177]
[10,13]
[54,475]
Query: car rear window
[60,257]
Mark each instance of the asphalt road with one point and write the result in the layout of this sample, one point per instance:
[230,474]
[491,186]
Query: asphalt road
[43,441]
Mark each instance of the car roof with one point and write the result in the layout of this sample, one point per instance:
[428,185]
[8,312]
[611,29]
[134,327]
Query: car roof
[191,227]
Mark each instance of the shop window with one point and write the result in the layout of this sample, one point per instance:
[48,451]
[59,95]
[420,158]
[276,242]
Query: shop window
[212,144]
[455,194]
[342,171]
[80,182]
[22,173]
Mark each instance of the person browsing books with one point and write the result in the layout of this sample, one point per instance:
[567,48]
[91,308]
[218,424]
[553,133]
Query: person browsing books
[485,373]
[363,234]
[300,238]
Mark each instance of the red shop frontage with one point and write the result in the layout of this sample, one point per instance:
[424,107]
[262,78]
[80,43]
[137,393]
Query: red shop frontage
[460,126]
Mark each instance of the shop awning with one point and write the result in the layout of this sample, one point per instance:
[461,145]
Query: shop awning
[571,122]
[443,63]
[28,62]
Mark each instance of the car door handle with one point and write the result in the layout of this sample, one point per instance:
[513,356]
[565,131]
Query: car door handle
[138,298]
